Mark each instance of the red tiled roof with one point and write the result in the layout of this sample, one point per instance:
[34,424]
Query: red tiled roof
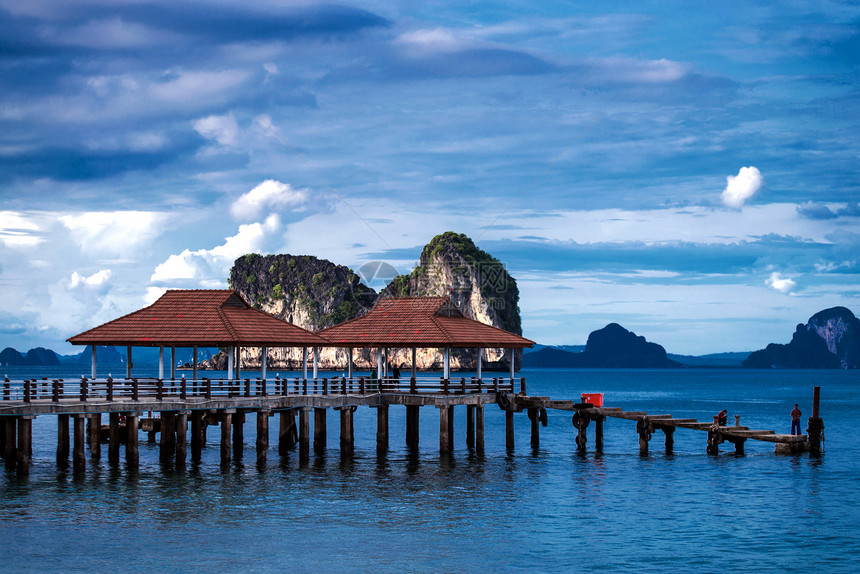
[205,318]
[419,322]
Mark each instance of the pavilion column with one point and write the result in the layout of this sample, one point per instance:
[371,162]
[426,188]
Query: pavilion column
[194,359]
[316,361]
[263,363]
[172,362]
[379,364]
[128,362]
[304,362]
[446,369]
[414,367]
[513,356]
[480,353]
[349,361]
[237,363]
[230,354]
[93,365]
[161,362]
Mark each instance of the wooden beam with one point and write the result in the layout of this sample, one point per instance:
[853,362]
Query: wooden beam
[382,428]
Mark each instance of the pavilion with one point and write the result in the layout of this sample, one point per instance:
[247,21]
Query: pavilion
[420,322]
[198,318]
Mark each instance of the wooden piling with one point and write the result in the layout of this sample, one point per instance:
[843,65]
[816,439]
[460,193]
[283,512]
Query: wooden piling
[598,433]
[320,430]
[412,421]
[534,418]
[25,444]
[470,426]
[444,443]
[670,438]
[113,438]
[181,425]
[226,423]
[382,428]
[479,428]
[304,433]
[132,451]
[79,460]
[11,447]
[509,430]
[62,440]
[196,435]
[347,432]
[238,434]
[262,436]
[95,436]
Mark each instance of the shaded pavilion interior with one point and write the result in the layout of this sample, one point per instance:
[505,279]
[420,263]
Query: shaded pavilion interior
[197,318]
[420,322]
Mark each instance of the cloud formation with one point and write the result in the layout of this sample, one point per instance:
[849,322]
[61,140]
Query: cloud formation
[270,195]
[741,187]
[782,284]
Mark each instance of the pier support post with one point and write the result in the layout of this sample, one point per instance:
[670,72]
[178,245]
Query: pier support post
[670,438]
[479,428]
[196,435]
[167,444]
[320,431]
[451,428]
[113,438]
[181,424]
[63,440]
[11,447]
[287,435]
[95,437]
[132,452]
[347,435]
[470,426]
[262,436]
[304,433]
[580,421]
[739,445]
[815,426]
[25,444]
[382,428]
[644,429]
[714,440]
[534,418]
[444,445]
[79,460]
[598,433]
[509,430]
[238,434]
[412,420]
[226,450]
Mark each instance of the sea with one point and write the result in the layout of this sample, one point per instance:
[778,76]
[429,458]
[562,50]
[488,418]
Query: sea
[545,509]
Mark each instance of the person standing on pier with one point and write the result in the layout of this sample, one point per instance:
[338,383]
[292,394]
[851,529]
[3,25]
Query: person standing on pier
[795,420]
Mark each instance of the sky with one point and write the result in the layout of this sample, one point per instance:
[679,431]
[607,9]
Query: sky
[689,171]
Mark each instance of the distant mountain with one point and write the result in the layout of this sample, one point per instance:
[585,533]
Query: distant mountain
[610,347]
[712,360]
[568,348]
[829,340]
[34,357]
[106,356]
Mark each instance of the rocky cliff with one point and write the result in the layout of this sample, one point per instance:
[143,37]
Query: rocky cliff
[610,347]
[829,340]
[478,284]
[313,293]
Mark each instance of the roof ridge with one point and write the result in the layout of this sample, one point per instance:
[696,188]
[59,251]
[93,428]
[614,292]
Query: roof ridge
[226,322]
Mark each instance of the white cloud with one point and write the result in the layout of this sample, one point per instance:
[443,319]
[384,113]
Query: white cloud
[194,86]
[222,129]
[435,40]
[207,265]
[270,195]
[783,285]
[117,232]
[96,280]
[638,71]
[741,187]
[17,231]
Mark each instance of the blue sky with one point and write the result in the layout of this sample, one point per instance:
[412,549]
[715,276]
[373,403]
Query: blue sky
[688,171]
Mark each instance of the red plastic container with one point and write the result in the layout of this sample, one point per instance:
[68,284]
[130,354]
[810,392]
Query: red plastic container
[595,399]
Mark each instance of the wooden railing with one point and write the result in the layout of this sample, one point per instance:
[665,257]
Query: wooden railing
[137,388]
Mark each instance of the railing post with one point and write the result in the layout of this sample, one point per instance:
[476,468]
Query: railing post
[263,390]
[159,389]
[304,386]
[27,391]
[361,385]
[7,390]
[495,384]
[193,386]
[110,388]
[207,387]
[247,387]
[135,390]
[479,381]
[83,389]
[523,385]
[413,386]
[343,385]
[325,386]
[183,388]
[279,390]
[445,383]
[55,391]
[463,385]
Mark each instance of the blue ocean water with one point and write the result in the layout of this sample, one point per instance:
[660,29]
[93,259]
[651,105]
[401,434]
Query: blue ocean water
[537,510]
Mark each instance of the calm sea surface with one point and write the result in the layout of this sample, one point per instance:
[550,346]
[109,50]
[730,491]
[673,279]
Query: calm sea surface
[531,510]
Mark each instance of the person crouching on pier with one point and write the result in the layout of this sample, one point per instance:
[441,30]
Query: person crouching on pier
[795,420]
[722,417]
